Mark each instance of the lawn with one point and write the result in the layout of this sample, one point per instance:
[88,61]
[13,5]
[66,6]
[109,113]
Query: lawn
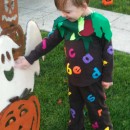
[51,89]
[120,6]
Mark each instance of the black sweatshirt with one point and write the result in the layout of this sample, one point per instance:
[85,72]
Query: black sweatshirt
[83,68]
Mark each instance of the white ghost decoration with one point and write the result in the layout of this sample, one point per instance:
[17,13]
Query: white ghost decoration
[0,29]
[21,79]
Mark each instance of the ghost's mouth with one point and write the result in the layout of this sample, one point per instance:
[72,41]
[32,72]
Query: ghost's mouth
[9,74]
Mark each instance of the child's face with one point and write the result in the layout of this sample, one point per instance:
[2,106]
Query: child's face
[71,12]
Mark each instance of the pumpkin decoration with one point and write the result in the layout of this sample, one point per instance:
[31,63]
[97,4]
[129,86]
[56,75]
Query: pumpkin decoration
[8,13]
[107,2]
[21,115]
[17,35]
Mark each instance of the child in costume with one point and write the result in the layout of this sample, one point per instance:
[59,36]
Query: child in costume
[89,60]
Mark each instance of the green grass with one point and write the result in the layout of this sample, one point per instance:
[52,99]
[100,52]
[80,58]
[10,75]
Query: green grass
[51,86]
[120,6]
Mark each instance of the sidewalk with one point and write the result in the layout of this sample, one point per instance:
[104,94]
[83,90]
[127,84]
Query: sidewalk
[44,13]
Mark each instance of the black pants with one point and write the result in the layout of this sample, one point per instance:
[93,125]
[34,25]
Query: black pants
[93,97]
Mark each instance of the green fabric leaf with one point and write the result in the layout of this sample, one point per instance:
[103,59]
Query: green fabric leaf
[57,21]
[70,30]
[87,41]
[101,25]
[73,37]
[80,24]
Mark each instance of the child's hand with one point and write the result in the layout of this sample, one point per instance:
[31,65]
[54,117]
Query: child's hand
[106,85]
[22,63]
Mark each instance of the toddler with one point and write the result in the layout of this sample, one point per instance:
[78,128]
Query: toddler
[89,60]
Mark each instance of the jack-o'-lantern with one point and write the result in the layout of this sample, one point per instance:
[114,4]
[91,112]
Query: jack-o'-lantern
[17,35]
[8,13]
[21,115]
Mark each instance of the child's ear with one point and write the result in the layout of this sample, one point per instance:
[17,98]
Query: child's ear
[85,5]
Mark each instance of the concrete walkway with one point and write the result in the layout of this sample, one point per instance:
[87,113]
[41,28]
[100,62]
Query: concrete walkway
[44,13]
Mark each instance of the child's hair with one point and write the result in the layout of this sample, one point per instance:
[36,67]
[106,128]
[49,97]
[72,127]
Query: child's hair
[60,4]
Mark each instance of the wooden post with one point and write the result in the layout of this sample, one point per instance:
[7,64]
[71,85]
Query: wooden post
[9,25]
[8,13]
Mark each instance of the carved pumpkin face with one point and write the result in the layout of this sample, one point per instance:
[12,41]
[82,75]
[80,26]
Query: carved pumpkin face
[21,115]
[8,13]
[17,35]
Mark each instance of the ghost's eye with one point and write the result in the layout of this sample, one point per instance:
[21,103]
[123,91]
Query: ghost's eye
[11,120]
[8,55]
[3,58]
